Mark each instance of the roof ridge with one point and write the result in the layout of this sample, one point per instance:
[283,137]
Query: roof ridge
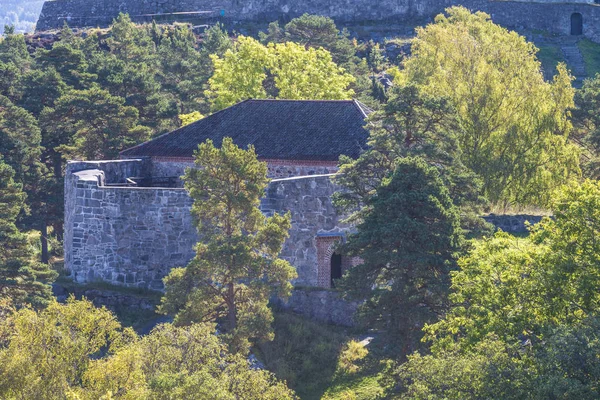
[303,100]
[279,128]
[182,127]
[366,110]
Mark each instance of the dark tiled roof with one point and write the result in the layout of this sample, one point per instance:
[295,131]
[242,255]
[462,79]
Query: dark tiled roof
[278,129]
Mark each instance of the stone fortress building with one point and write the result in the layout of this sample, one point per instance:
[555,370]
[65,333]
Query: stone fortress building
[128,221]
[574,17]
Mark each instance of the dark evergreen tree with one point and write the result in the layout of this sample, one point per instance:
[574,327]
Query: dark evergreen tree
[92,124]
[22,279]
[69,61]
[412,124]
[185,71]
[13,49]
[408,240]
[41,88]
[237,268]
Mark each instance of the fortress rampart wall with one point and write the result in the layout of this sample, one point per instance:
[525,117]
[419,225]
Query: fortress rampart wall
[133,236]
[550,15]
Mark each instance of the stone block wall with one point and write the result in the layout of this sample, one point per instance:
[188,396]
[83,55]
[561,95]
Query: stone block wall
[90,13]
[549,15]
[276,169]
[279,169]
[321,305]
[122,235]
[133,236]
[313,215]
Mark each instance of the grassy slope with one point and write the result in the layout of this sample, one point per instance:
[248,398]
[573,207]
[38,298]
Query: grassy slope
[320,361]
[591,56]
[549,56]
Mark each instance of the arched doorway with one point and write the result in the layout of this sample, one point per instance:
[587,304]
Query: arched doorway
[336,268]
[576,24]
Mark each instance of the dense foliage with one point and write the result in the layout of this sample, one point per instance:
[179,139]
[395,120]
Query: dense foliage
[524,321]
[237,266]
[513,127]
[294,73]
[22,279]
[78,351]
[408,242]
[91,96]
[468,118]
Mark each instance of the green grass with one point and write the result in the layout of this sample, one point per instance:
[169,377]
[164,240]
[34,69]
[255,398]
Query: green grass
[366,385]
[591,56]
[550,56]
[318,360]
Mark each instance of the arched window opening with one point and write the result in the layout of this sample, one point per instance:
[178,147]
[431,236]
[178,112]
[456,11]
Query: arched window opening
[336,268]
[576,24]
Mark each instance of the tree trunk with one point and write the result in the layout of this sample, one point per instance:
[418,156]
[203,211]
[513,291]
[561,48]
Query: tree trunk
[44,240]
[232,315]
[57,165]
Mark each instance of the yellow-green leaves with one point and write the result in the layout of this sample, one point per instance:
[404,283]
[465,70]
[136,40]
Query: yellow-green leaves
[192,117]
[307,73]
[239,74]
[514,126]
[80,352]
[283,70]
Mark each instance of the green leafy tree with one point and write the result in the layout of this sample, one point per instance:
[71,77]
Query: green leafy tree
[10,77]
[190,118]
[514,125]
[130,70]
[92,124]
[408,241]
[236,268]
[41,88]
[22,279]
[69,61]
[78,351]
[20,145]
[318,31]
[20,140]
[307,74]
[182,363]
[586,123]
[297,73]
[524,320]
[185,70]
[239,74]
[13,50]
[516,287]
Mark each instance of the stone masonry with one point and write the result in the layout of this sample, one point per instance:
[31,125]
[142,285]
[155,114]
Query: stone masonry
[553,16]
[133,236]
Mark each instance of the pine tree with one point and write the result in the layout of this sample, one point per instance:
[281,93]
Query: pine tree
[236,268]
[21,279]
[408,241]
